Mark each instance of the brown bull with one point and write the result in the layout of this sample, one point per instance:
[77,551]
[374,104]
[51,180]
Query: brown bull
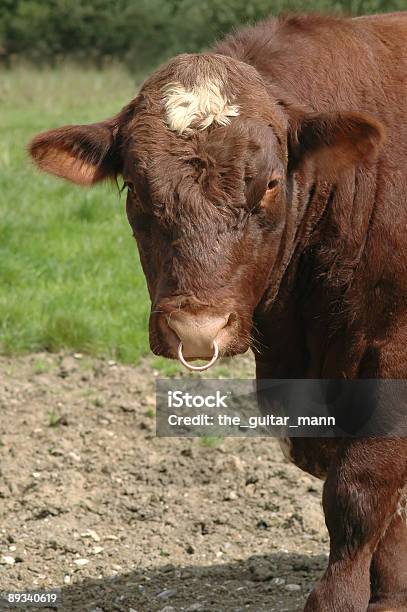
[267,184]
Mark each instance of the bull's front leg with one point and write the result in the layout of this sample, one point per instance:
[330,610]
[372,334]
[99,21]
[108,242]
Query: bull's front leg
[361,497]
[389,566]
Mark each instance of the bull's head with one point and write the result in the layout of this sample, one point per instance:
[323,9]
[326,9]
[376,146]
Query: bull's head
[219,172]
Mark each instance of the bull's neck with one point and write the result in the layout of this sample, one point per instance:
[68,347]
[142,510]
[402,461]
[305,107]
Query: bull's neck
[305,212]
[304,303]
[325,232]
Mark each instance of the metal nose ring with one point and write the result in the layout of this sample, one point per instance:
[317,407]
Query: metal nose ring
[199,368]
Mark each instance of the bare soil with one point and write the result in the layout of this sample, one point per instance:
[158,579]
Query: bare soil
[92,502]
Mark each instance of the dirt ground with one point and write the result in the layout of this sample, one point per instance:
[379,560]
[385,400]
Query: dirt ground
[92,502]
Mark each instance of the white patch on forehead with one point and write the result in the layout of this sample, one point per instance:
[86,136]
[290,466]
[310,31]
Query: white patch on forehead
[197,107]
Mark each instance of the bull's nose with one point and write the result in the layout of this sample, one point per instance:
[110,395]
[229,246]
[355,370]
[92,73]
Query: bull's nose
[197,332]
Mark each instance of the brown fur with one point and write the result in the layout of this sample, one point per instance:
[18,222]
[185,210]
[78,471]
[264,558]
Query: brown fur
[293,219]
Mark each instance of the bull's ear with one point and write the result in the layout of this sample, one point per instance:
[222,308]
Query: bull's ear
[334,141]
[83,154]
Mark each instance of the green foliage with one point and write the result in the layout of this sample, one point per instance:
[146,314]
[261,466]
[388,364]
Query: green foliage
[140,32]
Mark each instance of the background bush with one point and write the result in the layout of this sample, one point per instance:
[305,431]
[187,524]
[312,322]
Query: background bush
[139,32]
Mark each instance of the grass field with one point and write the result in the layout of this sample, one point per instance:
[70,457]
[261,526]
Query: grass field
[70,277]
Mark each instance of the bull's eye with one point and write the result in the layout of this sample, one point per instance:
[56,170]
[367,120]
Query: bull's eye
[270,195]
[129,186]
[272,184]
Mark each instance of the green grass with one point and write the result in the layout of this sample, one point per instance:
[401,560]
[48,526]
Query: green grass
[54,419]
[211,441]
[70,277]
[40,366]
